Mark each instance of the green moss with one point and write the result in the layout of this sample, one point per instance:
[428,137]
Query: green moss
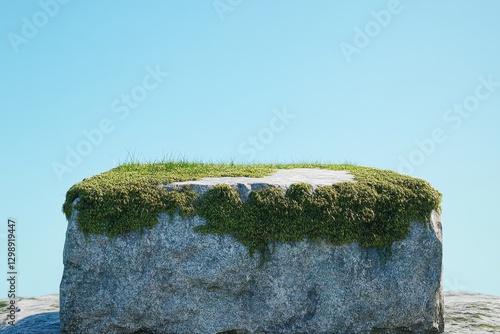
[489,326]
[374,211]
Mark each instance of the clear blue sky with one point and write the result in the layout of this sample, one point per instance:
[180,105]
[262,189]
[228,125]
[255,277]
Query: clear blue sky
[258,81]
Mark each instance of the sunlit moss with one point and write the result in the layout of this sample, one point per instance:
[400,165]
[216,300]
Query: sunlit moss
[374,211]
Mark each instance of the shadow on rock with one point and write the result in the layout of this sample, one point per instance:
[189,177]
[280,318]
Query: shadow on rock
[43,323]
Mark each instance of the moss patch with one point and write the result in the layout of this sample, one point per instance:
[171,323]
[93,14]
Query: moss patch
[374,211]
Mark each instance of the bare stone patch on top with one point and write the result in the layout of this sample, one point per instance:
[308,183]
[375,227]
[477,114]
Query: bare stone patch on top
[282,178]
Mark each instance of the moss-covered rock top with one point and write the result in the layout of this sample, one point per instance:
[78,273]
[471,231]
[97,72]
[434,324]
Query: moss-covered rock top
[374,211]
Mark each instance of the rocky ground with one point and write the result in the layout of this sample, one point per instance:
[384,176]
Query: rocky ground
[38,315]
[464,313]
[471,313]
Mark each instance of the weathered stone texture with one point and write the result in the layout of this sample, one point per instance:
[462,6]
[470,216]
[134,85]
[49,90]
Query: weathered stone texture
[173,280]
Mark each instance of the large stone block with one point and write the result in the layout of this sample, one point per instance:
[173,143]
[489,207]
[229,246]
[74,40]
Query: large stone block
[172,279]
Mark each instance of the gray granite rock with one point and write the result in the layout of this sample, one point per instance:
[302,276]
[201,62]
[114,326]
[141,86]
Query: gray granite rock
[43,323]
[173,280]
[465,313]
[471,313]
[282,178]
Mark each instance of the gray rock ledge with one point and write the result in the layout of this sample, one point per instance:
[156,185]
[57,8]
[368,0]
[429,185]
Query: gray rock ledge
[465,313]
[282,178]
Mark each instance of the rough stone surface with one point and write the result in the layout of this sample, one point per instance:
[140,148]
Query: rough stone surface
[471,313]
[34,315]
[173,280]
[43,323]
[282,178]
[465,313]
